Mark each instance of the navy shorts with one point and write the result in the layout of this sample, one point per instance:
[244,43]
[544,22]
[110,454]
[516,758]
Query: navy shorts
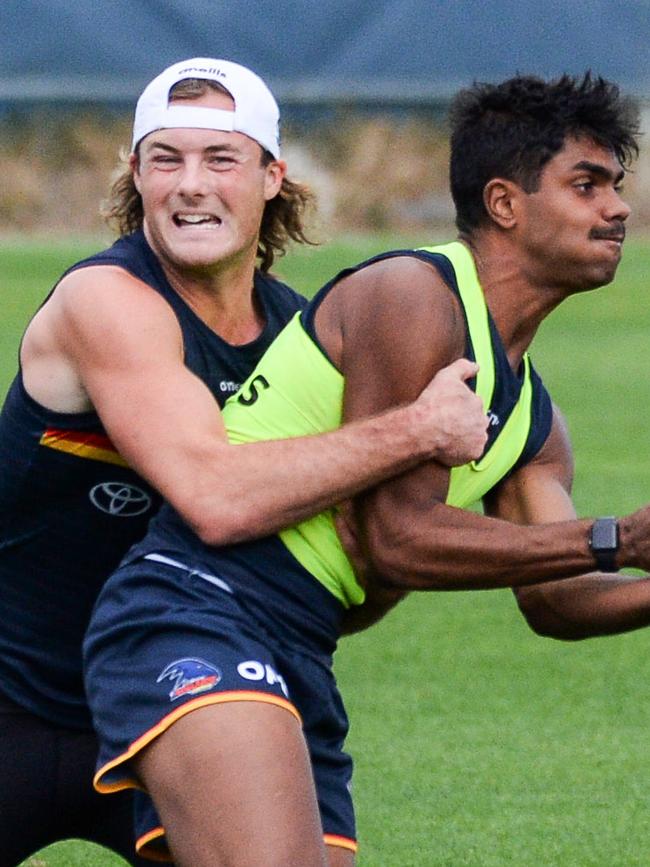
[165,639]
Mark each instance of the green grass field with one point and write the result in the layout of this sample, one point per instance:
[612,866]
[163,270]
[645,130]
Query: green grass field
[477,743]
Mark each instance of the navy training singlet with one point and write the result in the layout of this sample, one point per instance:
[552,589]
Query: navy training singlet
[70,507]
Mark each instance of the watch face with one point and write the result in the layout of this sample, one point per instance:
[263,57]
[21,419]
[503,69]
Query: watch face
[604,535]
[603,541]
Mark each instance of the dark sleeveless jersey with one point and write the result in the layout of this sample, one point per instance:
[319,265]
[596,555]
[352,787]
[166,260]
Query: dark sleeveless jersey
[70,507]
[296,390]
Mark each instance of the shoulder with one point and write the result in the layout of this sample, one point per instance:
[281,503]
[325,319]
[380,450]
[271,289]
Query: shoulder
[102,304]
[394,316]
[402,288]
[106,286]
[402,282]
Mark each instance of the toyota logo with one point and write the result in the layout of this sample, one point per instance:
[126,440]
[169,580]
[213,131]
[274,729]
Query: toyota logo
[120,499]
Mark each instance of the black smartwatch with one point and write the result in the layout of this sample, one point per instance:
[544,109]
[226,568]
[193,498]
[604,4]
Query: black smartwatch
[603,541]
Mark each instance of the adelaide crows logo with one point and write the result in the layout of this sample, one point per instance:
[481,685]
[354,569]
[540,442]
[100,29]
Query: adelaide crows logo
[190,677]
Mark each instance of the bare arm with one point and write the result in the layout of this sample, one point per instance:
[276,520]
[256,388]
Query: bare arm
[107,341]
[588,605]
[411,537]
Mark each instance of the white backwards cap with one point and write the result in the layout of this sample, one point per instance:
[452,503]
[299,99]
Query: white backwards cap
[256,112]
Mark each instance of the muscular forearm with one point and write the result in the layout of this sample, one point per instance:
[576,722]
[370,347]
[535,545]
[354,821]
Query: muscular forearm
[265,486]
[451,549]
[587,606]
[262,487]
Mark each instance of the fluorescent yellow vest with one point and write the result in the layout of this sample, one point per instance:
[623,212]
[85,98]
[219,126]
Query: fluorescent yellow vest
[296,391]
[472,481]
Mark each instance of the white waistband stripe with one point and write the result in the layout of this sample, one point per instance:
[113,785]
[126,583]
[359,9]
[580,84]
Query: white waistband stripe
[212,579]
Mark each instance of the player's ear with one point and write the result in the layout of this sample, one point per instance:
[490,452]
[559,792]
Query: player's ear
[500,197]
[275,174]
[134,165]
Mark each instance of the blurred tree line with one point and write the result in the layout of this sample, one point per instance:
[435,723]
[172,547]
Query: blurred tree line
[371,172]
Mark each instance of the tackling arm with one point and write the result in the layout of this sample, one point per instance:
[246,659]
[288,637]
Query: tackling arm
[106,340]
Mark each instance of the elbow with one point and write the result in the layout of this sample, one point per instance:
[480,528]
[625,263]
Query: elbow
[386,559]
[218,527]
[406,557]
[214,535]
[543,618]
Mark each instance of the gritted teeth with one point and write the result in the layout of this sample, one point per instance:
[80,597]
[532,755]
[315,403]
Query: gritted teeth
[182,219]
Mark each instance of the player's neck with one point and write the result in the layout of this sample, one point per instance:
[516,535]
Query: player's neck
[516,301]
[224,300]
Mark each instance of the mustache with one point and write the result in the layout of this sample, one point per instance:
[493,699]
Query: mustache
[614,232]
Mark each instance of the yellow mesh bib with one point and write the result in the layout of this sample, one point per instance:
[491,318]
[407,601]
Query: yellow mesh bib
[296,391]
[472,481]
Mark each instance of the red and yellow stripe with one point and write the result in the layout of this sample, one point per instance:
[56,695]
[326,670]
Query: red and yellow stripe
[81,444]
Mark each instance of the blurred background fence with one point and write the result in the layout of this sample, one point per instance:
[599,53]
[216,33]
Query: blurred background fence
[363,85]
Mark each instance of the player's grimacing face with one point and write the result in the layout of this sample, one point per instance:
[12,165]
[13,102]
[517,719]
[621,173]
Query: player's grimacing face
[573,226]
[204,192]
